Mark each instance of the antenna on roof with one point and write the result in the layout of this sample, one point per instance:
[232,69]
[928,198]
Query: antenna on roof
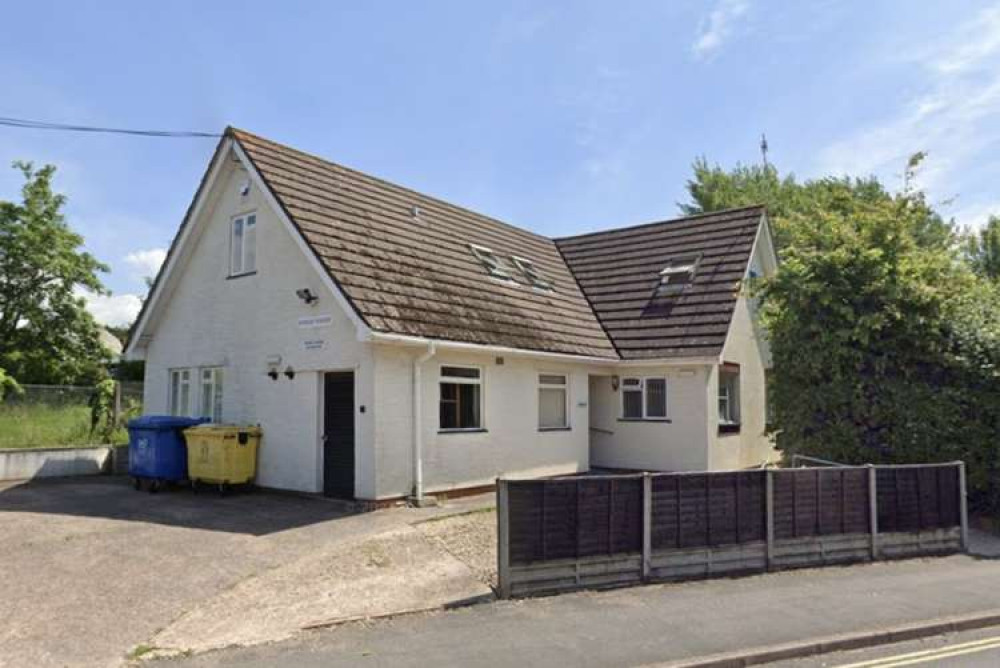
[763,148]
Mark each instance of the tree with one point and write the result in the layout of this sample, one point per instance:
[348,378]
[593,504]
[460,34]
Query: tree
[885,344]
[713,188]
[46,333]
[984,249]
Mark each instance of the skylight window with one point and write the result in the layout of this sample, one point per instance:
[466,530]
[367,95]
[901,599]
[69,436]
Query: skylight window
[677,275]
[490,262]
[531,273]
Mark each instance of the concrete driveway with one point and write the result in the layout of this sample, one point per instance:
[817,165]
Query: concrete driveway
[91,569]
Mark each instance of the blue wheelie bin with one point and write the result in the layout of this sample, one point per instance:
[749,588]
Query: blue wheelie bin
[156,450]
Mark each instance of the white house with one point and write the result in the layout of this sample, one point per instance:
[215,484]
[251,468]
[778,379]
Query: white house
[392,345]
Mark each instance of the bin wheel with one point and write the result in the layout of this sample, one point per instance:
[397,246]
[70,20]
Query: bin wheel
[154,486]
[137,484]
[194,486]
[223,488]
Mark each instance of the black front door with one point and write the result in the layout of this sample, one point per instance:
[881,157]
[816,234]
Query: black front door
[338,436]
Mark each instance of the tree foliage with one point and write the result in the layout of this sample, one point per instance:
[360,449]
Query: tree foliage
[984,249]
[713,188]
[8,386]
[46,333]
[885,342]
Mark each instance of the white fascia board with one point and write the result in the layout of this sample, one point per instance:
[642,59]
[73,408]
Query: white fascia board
[178,247]
[360,325]
[461,346]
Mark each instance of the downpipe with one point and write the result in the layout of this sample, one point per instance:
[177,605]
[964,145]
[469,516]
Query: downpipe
[418,433]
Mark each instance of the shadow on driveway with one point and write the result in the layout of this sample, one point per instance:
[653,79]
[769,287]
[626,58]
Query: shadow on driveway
[255,512]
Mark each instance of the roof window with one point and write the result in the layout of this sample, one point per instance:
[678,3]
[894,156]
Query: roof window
[490,262]
[677,275]
[531,273]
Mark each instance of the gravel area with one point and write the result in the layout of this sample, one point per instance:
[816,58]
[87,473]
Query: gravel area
[470,537]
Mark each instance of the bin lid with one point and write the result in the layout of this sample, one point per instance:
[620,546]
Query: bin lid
[253,430]
[163,422]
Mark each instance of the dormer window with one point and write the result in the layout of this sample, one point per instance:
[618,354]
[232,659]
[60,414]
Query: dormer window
[531,273]
[677,275]
[490,262]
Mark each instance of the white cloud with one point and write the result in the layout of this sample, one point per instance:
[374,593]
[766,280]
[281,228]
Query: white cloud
[115,310]
[146,262]
[953,116]
[718,27]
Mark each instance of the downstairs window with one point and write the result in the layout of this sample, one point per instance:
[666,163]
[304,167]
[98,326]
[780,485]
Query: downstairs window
[461,398]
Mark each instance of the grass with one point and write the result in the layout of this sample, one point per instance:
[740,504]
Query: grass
[48,426]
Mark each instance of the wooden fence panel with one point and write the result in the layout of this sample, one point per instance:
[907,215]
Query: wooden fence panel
[912,498]
[574,532]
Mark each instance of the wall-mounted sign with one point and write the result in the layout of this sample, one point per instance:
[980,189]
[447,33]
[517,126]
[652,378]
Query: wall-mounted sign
[314,344]
[310,321]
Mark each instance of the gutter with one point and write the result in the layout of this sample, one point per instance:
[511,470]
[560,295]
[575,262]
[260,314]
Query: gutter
[461,346]
[418,434]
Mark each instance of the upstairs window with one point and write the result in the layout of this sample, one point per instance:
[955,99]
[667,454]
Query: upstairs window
[677,275]
[461,404]
[530,271]
[729,397]
[644,398]
[490,262]
[243,245]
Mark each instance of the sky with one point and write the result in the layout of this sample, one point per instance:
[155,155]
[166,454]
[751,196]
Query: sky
[561,117]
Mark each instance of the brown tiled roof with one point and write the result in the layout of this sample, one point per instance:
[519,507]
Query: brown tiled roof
[415,275]
[619,271]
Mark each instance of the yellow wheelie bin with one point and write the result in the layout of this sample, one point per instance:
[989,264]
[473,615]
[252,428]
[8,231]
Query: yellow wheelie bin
[221,455]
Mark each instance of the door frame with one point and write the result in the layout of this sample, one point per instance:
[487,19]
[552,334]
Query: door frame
[321,425]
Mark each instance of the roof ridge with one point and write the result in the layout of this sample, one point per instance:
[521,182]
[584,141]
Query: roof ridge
[628,228]
[235,132]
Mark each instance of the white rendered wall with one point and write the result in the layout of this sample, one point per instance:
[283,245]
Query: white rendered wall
[678,445]
[209,319]
[512,444]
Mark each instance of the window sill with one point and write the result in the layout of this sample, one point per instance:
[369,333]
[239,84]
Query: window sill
[729,428]
[243,275]
[555,429]
[667,420]
[477,430]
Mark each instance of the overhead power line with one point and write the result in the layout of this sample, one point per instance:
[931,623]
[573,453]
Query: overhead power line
[67,127]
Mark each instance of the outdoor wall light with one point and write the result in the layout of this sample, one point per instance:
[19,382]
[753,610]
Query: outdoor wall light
[289,373]
[615,382]
[306,295]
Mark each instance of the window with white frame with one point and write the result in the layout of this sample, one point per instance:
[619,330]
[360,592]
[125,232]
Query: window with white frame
[553,401]
[644,398]
[729,395]
[180,392]
[243,245]
[211,394]
[461,402]
[196,392]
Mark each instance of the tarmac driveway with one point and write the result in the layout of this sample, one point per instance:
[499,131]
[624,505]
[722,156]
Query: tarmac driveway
[92,569]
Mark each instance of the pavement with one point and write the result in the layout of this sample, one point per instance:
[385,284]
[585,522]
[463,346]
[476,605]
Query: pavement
[680,623]
[94,572]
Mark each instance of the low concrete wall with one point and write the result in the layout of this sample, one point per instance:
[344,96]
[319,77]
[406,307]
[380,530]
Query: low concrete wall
[53,462]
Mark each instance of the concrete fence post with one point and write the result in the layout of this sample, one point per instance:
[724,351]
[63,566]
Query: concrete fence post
[647,524]
[963,506]
[769,516]
[503,538]
[873,510]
